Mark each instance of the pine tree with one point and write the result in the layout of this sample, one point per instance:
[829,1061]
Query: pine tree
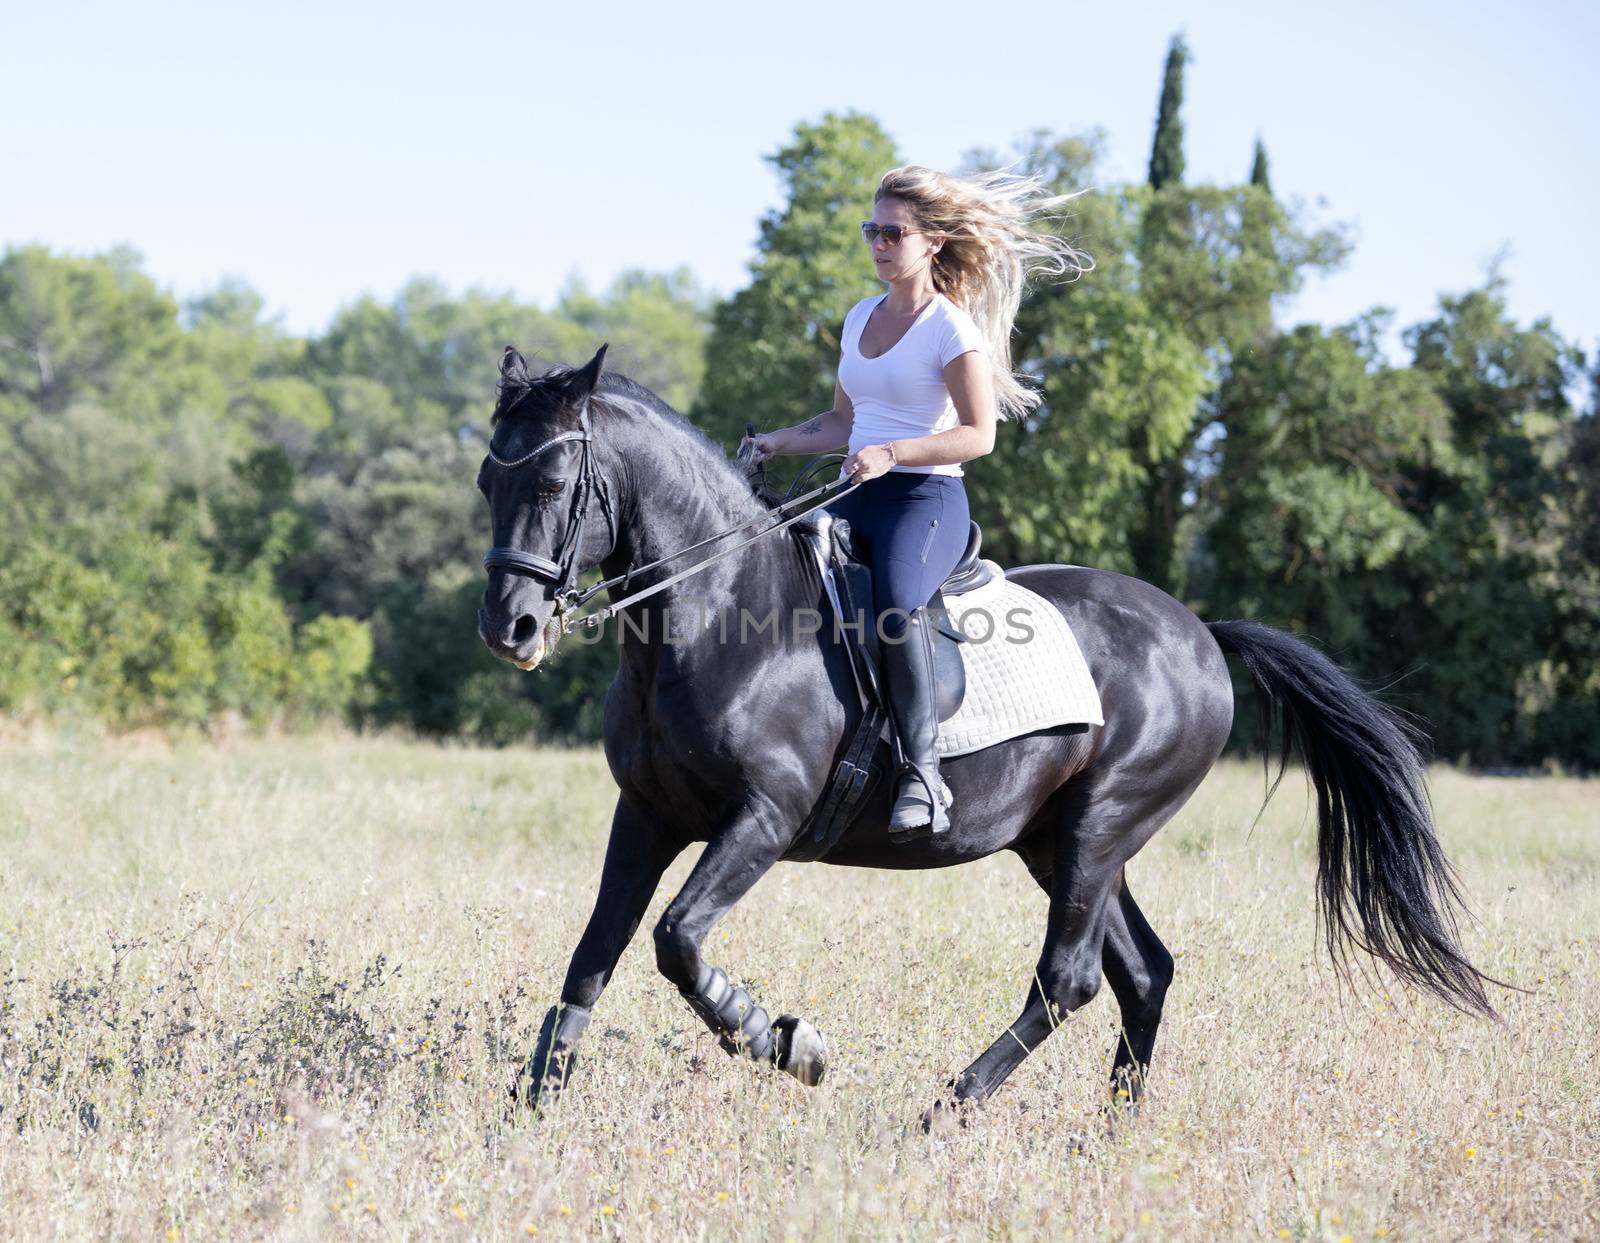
[1166,152]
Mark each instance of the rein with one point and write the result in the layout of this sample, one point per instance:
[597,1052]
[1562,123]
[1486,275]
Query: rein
[563,571]
[594,619]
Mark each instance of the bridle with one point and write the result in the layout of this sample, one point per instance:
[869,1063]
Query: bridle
[563,571]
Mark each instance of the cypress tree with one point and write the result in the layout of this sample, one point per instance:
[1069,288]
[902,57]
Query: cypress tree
[1153,539]
[1258,168]
[1257,235]
[1166,152]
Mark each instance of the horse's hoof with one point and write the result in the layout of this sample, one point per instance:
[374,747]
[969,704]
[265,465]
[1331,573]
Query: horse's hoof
[1119,1115]
[947,1115]
[525,1102]
[801,1050]
[532,1096]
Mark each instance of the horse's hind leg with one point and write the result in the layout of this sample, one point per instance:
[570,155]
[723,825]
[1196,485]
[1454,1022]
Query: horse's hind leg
[1081,869]
[1139,969]
[1069,970]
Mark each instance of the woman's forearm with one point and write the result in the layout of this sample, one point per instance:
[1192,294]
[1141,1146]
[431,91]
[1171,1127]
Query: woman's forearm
[946,448]
[824,434]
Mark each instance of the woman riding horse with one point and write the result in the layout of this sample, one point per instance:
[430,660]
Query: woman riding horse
[923,371]
[735,742]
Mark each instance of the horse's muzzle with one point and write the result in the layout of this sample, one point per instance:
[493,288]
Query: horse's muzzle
[520,641]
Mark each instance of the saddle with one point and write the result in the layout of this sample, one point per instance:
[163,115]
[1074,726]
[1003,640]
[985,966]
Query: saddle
[848,580]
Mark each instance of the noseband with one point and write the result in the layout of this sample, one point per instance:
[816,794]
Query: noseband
[564,570]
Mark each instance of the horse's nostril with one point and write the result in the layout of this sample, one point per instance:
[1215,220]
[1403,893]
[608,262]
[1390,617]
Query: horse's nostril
[521,630]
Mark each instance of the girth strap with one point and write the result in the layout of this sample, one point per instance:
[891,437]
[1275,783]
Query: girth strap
[854,778]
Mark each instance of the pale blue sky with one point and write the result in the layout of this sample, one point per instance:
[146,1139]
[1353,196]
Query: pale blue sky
[321,151]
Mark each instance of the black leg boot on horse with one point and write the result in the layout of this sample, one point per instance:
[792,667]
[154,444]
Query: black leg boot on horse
[922,800]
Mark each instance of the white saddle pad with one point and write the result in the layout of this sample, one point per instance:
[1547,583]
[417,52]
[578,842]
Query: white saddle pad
[1025,671]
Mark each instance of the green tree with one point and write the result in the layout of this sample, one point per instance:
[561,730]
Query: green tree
[1258,168]
[1119,385]
[1258,239]
[1166,149]
[1568,683]
[773,352]
[1498,593]
[154,635]
[81,330]
[200,513]
[1211,261]
[657,324]
[1408,516]
[1130,359]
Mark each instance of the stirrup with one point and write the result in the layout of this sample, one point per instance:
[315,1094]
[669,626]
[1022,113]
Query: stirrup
[940,805]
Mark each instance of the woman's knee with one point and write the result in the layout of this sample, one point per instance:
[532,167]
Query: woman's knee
[901,585]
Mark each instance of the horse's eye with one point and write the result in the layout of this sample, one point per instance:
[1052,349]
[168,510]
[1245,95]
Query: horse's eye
[548,489]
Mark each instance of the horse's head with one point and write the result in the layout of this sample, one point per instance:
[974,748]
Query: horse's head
[549,508]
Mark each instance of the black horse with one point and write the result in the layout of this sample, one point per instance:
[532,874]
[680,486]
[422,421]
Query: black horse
[717,737]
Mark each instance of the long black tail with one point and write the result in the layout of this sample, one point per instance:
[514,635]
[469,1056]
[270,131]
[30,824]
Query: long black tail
[1383,883]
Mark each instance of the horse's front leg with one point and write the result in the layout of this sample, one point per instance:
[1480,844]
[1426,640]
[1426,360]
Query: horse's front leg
[637,853]
[737,857]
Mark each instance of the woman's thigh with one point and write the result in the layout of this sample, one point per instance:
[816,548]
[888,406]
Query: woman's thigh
[916,542]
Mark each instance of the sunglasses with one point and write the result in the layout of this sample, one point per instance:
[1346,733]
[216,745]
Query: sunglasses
[891,233]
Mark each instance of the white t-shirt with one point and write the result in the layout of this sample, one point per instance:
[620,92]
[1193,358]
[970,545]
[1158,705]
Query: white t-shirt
[901,393]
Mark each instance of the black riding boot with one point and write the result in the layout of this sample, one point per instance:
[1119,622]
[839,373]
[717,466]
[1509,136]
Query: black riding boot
[909,674]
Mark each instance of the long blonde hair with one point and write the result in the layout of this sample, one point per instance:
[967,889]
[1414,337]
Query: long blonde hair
[991,248]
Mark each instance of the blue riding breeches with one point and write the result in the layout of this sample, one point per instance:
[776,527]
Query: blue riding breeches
[911,528]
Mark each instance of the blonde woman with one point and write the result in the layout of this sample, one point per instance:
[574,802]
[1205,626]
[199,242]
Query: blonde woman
[924,374]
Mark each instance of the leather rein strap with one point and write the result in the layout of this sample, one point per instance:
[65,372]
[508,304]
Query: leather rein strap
[564,570]
[599,615]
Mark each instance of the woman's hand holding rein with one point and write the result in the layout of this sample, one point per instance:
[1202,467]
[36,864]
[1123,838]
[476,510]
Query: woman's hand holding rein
[823,434]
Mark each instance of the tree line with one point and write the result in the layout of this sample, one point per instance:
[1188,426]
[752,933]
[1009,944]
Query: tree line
[204,517]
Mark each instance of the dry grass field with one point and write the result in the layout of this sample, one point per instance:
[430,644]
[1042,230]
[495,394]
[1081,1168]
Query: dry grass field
[277,989]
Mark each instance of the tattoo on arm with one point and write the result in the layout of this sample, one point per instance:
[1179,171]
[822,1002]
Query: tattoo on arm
[810,427]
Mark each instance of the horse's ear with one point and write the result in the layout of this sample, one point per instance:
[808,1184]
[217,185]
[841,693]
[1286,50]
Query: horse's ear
[583,381]
[513,366]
